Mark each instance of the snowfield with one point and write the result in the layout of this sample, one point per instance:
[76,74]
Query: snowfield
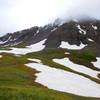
[64,81]
[66,45]
[80,68]
[32,48]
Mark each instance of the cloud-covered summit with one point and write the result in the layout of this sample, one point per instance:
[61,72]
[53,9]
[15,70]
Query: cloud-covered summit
[19,14]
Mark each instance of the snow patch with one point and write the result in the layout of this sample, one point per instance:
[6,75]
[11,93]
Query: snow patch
[32,48]
[97,63]
[67,53]
[95,27]
[81,30]
[64,81]
[37,32]
[34,60]
[90,40]
[80,68]
[13,39]
[66,45]
[54,29]
[16,43]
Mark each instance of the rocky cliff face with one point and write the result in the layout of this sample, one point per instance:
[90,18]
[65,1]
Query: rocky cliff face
[74,32]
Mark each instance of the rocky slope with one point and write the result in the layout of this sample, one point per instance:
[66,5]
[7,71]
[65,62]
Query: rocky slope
[74,32]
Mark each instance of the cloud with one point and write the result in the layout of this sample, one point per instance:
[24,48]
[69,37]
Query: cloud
[86,7]
[20,14]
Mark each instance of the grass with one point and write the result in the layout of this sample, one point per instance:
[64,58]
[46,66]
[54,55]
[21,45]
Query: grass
[17,80]
[12,70]
[87,55]
[36,93]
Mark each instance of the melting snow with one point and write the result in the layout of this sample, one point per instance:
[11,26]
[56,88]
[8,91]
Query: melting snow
[81,30]
[35,60]
[16,43]
[97,63]
[64,81]
[68,46]
[95,27]
[32,48]
[67,53]
[54,29]
[13,39]
[36,32]
[90,40]
[2,42]
[80,68]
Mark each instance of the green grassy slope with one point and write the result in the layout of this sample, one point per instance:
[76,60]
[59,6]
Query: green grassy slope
[17,80]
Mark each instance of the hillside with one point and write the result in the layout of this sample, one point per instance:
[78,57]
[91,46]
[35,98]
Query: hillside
[60,61]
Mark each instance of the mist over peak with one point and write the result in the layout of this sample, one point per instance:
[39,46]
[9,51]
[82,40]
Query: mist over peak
[21,14]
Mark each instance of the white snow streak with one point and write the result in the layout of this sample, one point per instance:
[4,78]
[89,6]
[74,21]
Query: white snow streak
[54,29]
[80,68]
[90,40]
[37,32]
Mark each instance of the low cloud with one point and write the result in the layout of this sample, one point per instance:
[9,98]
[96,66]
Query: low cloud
[20,14]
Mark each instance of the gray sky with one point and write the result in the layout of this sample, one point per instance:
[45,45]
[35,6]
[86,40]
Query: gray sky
[20,14]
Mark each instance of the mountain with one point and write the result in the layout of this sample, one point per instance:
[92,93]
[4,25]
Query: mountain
[59,61]
[74,32]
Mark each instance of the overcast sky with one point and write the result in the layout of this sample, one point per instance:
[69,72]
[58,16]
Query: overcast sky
[20,14]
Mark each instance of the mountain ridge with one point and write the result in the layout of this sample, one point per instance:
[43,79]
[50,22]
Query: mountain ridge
[74,32]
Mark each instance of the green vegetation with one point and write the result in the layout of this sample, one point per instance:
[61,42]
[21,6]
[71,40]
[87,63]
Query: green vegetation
[17,80]
[36,93]
[86,56]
